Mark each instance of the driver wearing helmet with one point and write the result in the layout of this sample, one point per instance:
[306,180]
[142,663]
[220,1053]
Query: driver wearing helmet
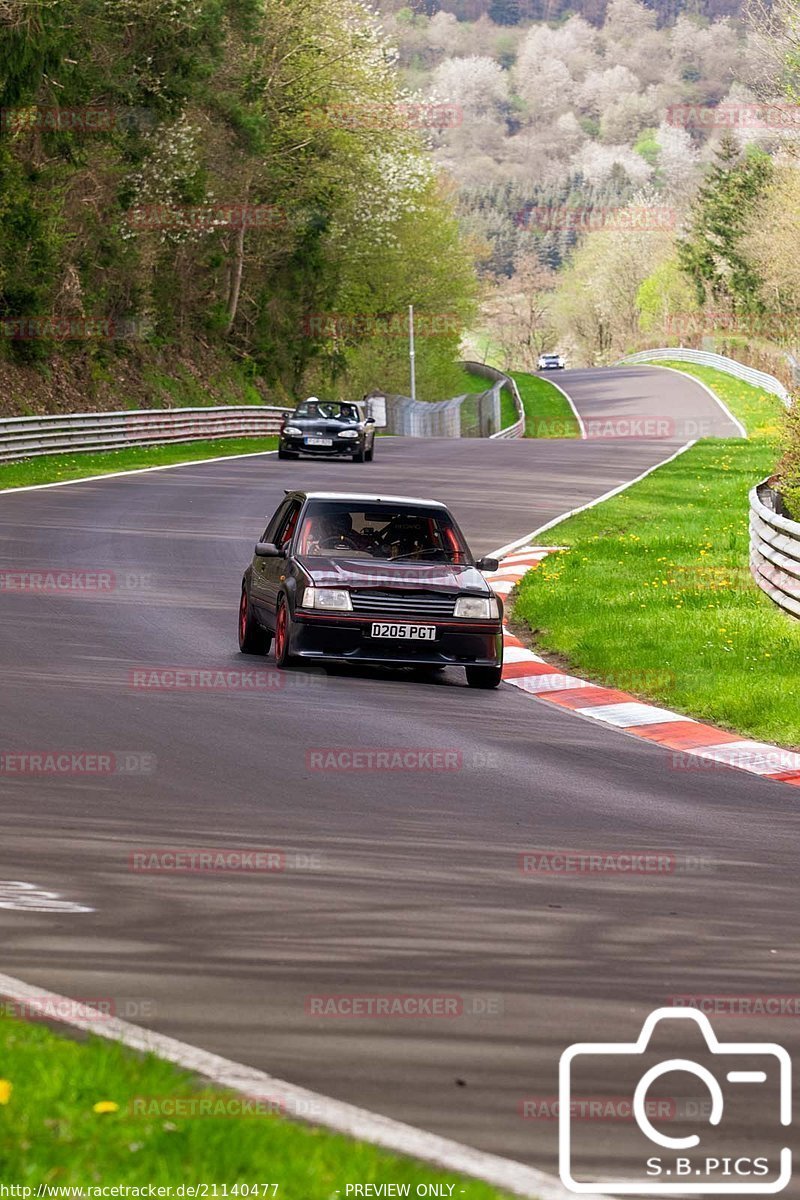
[334,531]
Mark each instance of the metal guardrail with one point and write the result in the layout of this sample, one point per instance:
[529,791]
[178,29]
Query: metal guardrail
[26,437]
[705,358]
[470,415]
[517,430]
[774,549]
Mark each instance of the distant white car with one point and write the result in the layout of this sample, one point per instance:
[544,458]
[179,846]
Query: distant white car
[551,362]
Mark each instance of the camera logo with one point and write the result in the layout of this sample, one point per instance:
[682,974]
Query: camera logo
[692,1163]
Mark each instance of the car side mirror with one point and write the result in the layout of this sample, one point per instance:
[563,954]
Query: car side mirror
[487,564]
[369,421]
[268,550]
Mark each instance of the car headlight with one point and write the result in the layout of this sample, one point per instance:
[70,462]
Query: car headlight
[336,599]
[293,431]
[482,608]
[348,433]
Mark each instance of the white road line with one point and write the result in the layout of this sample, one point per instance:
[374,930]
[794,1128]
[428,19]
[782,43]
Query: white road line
[195,462]
[590,504]
[705,387]
[569,401]
[323,1111]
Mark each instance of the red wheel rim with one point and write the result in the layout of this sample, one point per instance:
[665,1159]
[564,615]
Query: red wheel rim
[243,617]
[280,631]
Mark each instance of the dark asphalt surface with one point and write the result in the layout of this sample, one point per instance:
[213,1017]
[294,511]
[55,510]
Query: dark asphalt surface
[410,881]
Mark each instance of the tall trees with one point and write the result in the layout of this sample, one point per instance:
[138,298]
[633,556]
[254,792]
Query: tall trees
[287,116]
[712,253]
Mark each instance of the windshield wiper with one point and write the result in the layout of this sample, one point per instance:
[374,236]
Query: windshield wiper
[420,553]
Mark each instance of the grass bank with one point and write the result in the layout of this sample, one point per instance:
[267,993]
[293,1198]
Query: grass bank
[654,595]
[89,1113]
[58,468]
[547,412]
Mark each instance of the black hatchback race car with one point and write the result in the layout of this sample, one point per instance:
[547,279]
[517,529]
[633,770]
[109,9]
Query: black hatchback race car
[363,579]
[328,428]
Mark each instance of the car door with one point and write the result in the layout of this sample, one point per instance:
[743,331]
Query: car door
[259,588]
[268,572]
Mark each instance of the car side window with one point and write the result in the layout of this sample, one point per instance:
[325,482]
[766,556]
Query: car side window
[277,522]
[288,523]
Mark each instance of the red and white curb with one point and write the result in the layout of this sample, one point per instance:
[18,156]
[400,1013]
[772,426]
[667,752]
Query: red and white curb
[696,746]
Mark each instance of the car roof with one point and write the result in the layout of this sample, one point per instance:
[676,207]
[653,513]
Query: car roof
[366,499]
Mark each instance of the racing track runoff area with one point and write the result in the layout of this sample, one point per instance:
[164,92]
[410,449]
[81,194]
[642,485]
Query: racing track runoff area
[395,882]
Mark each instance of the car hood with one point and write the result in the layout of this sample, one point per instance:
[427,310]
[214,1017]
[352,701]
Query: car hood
[405,576]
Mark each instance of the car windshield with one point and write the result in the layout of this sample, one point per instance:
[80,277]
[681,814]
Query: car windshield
[337,529]
[332,410]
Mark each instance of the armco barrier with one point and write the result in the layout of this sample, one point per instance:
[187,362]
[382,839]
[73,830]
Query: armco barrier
[704,358]
[774,549]
[24,437]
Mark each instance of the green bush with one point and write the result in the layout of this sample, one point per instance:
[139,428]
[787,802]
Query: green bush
[789,466]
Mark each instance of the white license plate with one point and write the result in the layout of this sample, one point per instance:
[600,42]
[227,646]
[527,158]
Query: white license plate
[419,633]
[312,441]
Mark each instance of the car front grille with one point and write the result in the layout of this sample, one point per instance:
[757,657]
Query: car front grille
[403,604]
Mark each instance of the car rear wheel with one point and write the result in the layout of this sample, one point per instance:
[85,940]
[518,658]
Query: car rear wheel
[484,677]
[283,635]
[253,639]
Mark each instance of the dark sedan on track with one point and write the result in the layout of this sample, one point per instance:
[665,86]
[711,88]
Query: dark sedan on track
[363,579]
[328,429]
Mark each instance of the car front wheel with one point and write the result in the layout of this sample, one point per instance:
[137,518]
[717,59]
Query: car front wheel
[484,677]
[253,639]
[283,635]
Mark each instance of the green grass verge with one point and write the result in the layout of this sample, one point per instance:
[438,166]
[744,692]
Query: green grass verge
[56,468]
[51,1133]
[547,413]
[655,595]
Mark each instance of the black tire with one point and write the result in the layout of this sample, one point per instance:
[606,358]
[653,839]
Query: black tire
[286,454]
[484,677]
[369,454]
[283,635]
[253,638]
[359,456]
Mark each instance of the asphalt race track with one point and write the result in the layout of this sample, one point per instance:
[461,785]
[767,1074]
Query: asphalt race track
[406,882]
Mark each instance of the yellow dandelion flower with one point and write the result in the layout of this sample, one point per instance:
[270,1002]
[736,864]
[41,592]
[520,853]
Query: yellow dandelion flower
[5,1091]
[105,1106]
